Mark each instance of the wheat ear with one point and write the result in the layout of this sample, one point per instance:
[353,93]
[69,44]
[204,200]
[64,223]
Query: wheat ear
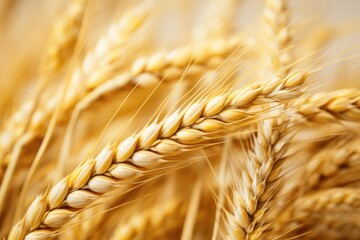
[271,140]
[332,106]
[276,24]
[147,72]
[95,62]
[64,37]
[320,202]
[60,47]
[148,221]
[328,162]
[176,133]
[331,199]
[262,170]
[151,70]
[116,37]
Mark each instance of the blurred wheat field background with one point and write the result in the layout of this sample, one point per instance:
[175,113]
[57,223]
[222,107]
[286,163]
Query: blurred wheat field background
[155,119]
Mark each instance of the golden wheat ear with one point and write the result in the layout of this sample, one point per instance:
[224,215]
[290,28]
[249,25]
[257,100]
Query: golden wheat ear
[181,131]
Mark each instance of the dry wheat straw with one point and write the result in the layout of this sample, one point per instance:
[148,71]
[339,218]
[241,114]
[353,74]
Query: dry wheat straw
[222,186]
[176,133]
[192,211]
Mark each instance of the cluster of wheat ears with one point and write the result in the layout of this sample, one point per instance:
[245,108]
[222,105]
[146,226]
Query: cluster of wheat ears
[169,120]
